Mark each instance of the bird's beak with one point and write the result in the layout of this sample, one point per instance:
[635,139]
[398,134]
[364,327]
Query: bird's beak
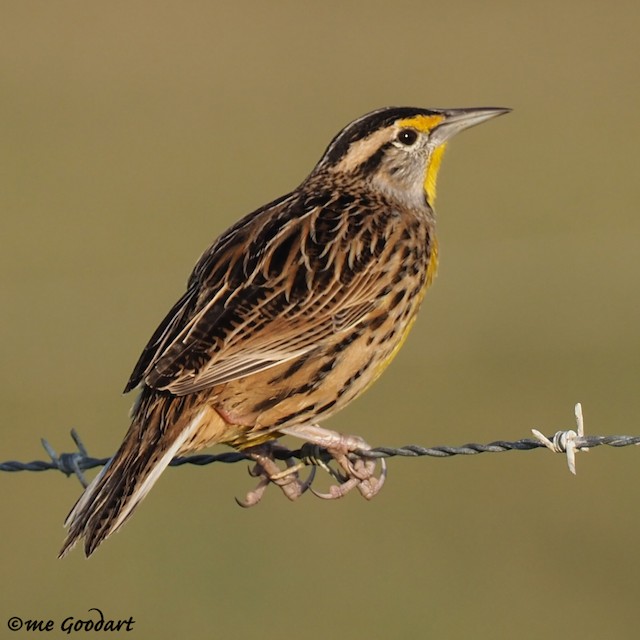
[456,120]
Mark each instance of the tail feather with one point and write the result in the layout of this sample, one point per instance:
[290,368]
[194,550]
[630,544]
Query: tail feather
[149,446]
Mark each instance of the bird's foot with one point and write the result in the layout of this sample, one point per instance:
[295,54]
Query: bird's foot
[269,472]
[354,471]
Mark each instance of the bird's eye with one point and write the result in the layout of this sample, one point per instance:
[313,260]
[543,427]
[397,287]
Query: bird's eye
[408,137]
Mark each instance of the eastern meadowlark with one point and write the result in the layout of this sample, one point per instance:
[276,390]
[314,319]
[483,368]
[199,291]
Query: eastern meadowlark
[289,315]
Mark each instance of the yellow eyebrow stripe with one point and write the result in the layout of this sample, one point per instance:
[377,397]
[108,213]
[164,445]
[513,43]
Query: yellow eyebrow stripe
[422,123]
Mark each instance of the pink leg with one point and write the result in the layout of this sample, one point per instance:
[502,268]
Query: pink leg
[358,472]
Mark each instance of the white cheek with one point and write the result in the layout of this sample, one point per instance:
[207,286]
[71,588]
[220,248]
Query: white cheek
[406,188]
[416,197]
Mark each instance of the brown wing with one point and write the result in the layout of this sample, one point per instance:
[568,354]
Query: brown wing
[183,311]
[275,286]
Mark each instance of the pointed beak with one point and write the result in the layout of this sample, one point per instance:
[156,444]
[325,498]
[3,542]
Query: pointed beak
[457,120]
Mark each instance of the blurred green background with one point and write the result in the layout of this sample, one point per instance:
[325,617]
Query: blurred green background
[133,133]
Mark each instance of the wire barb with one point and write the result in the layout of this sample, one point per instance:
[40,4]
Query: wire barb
[568,442]
[69,463]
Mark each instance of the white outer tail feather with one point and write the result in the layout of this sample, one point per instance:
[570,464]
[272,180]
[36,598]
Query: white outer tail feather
[83,506]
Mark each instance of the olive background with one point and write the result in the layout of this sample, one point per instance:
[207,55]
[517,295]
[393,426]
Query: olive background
[133,133]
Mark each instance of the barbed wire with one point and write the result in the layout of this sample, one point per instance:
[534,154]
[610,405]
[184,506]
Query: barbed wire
[568,442]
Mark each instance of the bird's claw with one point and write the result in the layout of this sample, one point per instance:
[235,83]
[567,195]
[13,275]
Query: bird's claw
[356,472]
[352,470]
[268,471]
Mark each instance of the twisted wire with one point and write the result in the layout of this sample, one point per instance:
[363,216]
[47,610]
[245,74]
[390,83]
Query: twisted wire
[75,463]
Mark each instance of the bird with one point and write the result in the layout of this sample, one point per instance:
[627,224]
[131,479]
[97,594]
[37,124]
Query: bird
[287,317]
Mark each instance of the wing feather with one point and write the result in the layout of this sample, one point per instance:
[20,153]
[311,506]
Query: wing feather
[273,288]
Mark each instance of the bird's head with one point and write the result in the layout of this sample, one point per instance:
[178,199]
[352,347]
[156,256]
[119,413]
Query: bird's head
[398,150]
